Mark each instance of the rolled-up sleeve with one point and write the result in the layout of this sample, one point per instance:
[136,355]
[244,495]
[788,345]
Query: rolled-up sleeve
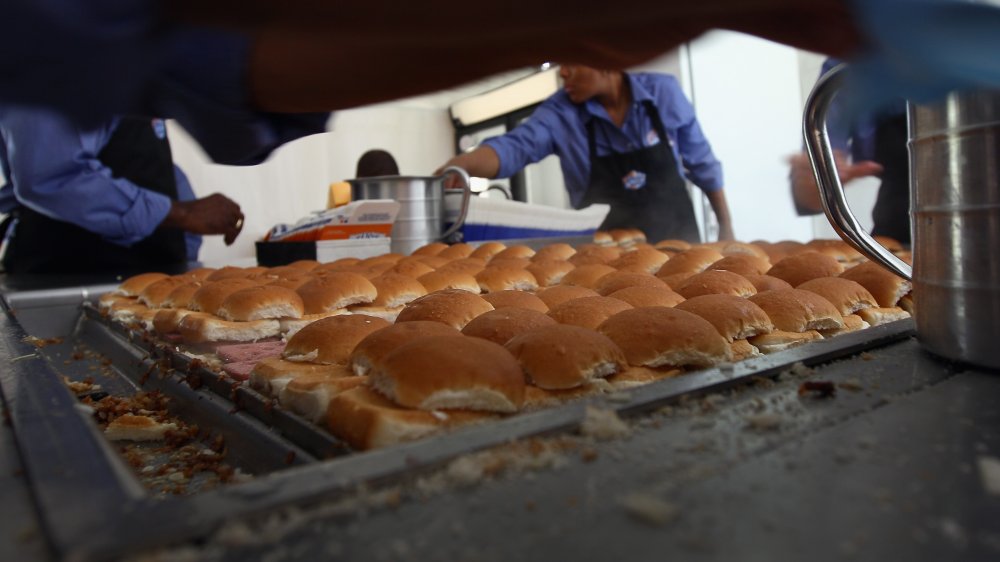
[528,143]
[55,171]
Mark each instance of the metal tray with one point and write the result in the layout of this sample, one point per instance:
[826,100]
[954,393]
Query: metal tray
[74,473]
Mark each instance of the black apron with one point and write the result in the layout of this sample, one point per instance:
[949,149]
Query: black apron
[660,205]
[39,244]
[892,207]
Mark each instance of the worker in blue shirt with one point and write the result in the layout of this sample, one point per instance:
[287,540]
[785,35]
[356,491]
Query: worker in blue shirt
[869,144]
[107,199]
[625,139]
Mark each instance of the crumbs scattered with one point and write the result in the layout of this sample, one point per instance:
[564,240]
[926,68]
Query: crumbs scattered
[650,510]
[603,424]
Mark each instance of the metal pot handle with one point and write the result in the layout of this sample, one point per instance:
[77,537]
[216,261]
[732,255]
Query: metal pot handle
[831,190]
[466,196]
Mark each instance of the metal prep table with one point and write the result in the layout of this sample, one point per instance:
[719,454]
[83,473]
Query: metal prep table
[722,464]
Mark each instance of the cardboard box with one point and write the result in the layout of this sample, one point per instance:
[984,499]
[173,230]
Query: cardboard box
[370,218]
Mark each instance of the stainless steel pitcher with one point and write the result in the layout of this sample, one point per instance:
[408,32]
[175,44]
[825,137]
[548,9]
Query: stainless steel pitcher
[421,212]
[955,216]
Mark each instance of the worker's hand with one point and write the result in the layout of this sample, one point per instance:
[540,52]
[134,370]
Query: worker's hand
[804,188]
[726,232]
[215,214]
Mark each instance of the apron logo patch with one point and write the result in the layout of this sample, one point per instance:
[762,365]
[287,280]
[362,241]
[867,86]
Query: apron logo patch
[634,180]
[159,128]
[652,138]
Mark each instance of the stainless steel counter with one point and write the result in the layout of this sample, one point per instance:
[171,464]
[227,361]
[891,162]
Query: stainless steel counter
[728,463]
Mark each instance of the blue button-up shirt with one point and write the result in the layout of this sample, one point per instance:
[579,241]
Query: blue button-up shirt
[559,127]
[855,135]
[52,168]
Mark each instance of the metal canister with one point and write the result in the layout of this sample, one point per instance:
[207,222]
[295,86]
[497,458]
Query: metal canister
[955,204]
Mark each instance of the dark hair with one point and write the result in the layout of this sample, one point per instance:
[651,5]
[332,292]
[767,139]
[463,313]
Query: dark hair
[376,163]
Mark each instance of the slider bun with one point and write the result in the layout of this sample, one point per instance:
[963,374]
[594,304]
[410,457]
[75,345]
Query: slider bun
[212,294]
[516,299]
[590,255]
[657,336]
[622,236]
[432,249]
[452,307]
[331,340]
[554,296]
[644,260]
[309,265]
[587,275]
[743,264]
[509,263]
[270,375]
[516,251]
[261,302]
[168,320]
[391,257]
[587,312]
[376,345]
[154,294]
[672,245]
[456,251]
[503,279]
[233,272]
[780,340]
[603,238]
[470,266]
[882,315]
[795,310]
[204,327]
[562,356]
[334,290]
[310,395]
[293,282]
[412,267]
[848,296]
[364,419]
[199,273]
[180,296]
[618,280]
[487,250]
[716,282]
[134,285]
[884,285]
[889,243]
[557,251]
[432,261]
[639,297]
[549,272]
[499,326]
[852,323]
[800,268]
[742,249]
[766,282]
[691,261]
[443,279]
[394,290]
[451,372]
[736,318]
[835,248]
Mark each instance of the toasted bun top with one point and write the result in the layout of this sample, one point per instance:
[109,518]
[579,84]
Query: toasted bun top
[549,272]
[432,261]
[589,255]
[334,290]
[444,279]
[734,317]
[657,336]
[742,264]
[648,296]
[557,251]
[564,356]
[603,237]
[155,293]
[766,282]
[452,307]
[835,248]
[802,267]
[180,296]
[691,261]
[643,259]
[487,250]
[587,312]
[432,249]
[210,296]
[587,275]
[516,299]
[848,296]
[509,263]
[412,267]
[376,345]
[554,296]
[716,282]
[200,273]
[503,279]
[470,266]
[134,285]
[309,265]
[795,310]
[884,285]
[261,302]
[618,280]
[232,272]
[451,372]
[293,282]
[499,326]
[332,339]
[394,290]
[672,245]
[456,251]
[732,248]
[515,251]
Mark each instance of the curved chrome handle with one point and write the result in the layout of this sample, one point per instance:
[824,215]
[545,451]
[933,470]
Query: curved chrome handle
[831,190]
[466,196]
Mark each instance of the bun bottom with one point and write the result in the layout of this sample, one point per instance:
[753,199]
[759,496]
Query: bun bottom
[270,376]
[879,316]
[310,395]
[779,340]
